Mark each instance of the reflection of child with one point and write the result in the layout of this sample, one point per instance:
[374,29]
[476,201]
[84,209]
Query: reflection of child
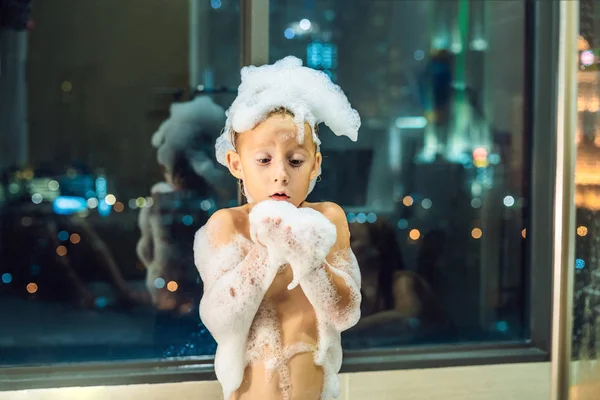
[167,227]
[280,279]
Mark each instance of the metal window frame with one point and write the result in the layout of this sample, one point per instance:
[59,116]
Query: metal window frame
[541,55]
[564,204]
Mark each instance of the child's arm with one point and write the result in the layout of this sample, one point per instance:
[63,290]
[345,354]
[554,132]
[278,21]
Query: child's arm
[338,274]
[234,284]
[145,245]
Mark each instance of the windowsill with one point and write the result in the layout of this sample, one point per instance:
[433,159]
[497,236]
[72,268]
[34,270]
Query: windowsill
[490,382]
[201,368]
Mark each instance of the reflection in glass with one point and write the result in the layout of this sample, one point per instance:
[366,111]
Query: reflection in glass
[76,198]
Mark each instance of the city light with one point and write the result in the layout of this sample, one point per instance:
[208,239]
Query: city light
[36,198]
[92,203]
[159,283]
[67,205]
[414,234]
[476,233]
[32,288]
[119,207]
[172,286]
[419,55]
[426,204]
[6,278]
[407,201]
[61,251]
[53,185]
[305,24]
[411,122]
[480,153]
[205,205]
[587,58]
[509,201]
[402,223]
[289,33]
[110,199]
[361,218]
[75,238]
[582,230]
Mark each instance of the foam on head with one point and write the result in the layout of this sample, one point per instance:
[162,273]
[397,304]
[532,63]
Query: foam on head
[185,132]
[308,94]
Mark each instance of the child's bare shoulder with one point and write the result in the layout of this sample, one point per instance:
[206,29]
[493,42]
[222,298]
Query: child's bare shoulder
[226,223]
[331,210]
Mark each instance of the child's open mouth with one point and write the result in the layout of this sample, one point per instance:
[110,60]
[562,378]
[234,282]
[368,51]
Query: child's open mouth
[280,196]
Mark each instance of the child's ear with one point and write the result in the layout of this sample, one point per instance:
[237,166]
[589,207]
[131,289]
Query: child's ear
[317,167]
[234,163]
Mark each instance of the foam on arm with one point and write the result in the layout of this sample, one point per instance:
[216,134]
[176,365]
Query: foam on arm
[335,283]
[235,282]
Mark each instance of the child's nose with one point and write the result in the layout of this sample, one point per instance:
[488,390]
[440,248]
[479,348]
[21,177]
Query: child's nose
[281,175]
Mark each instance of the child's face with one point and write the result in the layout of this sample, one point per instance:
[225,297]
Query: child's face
[271,162]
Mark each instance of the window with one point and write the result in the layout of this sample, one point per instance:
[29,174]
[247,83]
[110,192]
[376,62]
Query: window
[447,191]
[439,217]
[99,81]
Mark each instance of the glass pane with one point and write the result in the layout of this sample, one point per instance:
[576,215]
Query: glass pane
[84,86]
[435,187]
[585,369]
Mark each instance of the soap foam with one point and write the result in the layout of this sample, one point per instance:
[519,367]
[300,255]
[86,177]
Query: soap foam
[184,132]
[237,275]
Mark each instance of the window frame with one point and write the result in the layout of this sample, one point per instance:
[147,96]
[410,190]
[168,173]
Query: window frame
[540,122]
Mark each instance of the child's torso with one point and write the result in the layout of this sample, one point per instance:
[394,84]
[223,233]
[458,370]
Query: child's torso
[281,341]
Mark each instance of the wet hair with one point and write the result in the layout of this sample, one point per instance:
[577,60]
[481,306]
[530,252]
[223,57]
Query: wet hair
[277,111]
[184,176]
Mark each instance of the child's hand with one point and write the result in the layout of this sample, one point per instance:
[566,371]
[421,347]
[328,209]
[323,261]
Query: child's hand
[301,237]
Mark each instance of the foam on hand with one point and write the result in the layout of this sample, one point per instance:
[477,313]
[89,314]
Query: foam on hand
[302,237]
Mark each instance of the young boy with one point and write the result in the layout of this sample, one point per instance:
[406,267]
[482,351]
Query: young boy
[280,279]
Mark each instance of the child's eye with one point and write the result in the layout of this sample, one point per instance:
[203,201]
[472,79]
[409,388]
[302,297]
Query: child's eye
[296,163]
[263,161]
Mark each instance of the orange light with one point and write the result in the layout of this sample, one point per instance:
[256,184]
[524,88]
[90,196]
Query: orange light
[407,201]
[119,206]
[172,286]
[524,233]
[476,233]
[75,238]
[582,230]
[32,288]
[414,234]
[61,251]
